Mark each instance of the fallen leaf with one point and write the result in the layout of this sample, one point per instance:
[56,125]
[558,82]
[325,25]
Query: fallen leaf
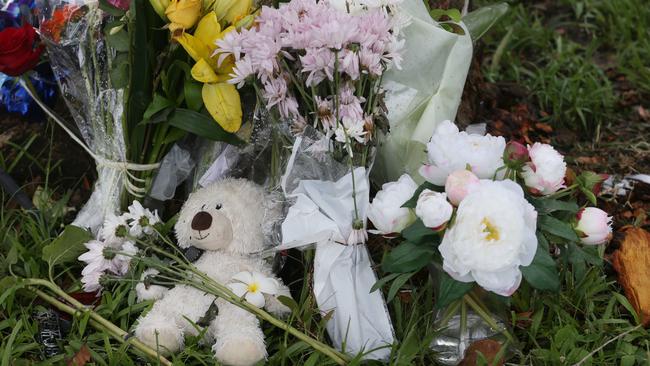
[632,262]
[489,348]
[80,358]
[643,113]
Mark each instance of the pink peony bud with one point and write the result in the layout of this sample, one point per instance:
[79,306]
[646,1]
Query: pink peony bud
[594,226]
[120,4]
[515,154]
[459,184]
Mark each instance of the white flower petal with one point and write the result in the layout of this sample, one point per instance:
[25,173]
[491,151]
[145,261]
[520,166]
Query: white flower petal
[238,289]
[255,298]
[244,277]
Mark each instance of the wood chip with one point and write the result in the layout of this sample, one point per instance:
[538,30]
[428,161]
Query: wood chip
[632,262]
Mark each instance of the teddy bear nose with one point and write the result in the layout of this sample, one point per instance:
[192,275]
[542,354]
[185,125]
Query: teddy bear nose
[201,221]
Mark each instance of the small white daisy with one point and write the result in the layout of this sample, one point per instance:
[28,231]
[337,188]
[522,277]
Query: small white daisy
[141,220]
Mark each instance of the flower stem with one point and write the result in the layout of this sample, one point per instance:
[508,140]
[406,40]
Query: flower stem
[96,320]
[485,315]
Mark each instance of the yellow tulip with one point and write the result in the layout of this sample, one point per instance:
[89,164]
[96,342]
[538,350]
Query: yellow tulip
[160,6]
[221,7]
[238,11]
[223,103]
[183,14]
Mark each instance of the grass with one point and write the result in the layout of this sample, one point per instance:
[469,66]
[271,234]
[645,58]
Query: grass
[568,54]
[552,328]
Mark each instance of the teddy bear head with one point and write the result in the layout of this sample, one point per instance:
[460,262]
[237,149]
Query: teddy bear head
[233,215]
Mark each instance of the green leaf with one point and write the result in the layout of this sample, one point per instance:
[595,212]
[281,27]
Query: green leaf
[110,9]
[417,233]
[407,257]
[193,97]
[381,282]
[119,41]
[542,273]
[481,20]
[450,290]
[547,205]
[290,303]
[397,284]
[157,104]
[590,195]
[588,254]
[67,247]
[558,228]
[413,201]
[174,134]
[120,73]
[453,14]
[201,125]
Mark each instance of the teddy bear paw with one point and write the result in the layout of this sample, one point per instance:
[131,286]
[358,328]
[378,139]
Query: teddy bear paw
[240,351]
[159,333]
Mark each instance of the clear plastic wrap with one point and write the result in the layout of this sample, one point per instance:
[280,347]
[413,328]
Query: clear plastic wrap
[72,31]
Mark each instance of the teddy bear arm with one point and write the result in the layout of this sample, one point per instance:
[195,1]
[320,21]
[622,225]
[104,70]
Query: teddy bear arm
[165,325]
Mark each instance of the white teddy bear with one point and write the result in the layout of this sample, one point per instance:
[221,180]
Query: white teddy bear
[230,221]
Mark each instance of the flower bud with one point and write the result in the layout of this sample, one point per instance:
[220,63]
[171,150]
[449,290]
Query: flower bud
[183,14]
[594,226]
[545,172]
[459,184]
[159,6]
[433,209]
[515,155]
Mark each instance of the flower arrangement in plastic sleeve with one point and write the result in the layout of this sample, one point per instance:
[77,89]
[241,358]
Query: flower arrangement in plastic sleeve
[490,214]
[313,63]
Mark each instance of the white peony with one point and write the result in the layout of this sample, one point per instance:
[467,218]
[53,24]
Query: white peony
[450,150]
[493,234]
[594,226]
[386,211]
[434,209]
[545,172]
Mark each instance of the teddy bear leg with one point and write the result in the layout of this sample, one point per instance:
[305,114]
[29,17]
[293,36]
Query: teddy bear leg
[239,338]
[166,323]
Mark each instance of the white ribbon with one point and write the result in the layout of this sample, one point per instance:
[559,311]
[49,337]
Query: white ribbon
[123,168]
[323,214]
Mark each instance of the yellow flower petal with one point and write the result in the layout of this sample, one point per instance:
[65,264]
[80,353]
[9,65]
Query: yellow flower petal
[208,30]
[221,7]
[238,11]
[196,48]
[203,72]
[223,103]
[184,13]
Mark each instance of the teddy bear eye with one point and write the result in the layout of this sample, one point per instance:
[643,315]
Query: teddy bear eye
[219,206]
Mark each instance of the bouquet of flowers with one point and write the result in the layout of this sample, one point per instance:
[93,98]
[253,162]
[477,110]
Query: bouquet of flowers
[490,213]
[317,68]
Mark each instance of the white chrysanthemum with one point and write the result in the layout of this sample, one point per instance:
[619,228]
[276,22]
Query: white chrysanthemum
[450,150]
[141,220]
[493,234]
[433,209]
[115,228]
[386,211]
[124,253]
[94,258]
[90,281]
[148,291]
[252,286]
[546,170]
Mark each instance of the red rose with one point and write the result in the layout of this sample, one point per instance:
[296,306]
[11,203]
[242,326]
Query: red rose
[18,50]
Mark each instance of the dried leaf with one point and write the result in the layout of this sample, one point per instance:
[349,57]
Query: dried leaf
[80,358]
[489,348]
[632,262]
